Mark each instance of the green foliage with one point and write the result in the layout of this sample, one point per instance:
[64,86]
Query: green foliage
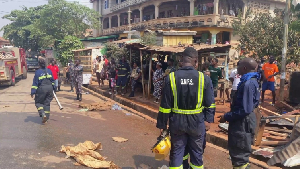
[65,48]
[262,35]
[149,39]
[114,51]
[43,25]
[16,31]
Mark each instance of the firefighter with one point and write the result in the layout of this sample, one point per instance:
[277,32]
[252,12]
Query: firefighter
[241,118]
[185,93]
[123,72]
[78,79]
[42,87]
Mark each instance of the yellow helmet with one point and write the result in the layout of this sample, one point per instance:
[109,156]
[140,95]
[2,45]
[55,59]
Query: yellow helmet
[162,148]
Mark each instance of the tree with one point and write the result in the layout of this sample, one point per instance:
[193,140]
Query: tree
[149,39]
[262,35]
[113,50]
[48,23]
[65,48]
[16,31]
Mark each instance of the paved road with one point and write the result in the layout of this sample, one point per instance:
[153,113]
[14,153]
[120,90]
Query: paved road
[25,143]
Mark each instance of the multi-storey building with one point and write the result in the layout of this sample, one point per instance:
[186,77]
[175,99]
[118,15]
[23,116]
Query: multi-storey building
[212,19]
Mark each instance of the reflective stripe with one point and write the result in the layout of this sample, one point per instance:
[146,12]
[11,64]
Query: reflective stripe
[199,107]
[44,77]
[200,89]
[242,167]
[121,75]
[52,83]
[34,87]
[186,157]
[123,68]
[180,111]
[163,110]
[40,108]
[47,111]
[180,167]
[174,88]
[211,106]
[196,167]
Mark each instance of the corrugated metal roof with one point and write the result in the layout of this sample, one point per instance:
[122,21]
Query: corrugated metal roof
[178,49]
[79,50]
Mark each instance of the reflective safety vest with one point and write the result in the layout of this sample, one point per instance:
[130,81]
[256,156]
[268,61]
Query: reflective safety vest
[199,107]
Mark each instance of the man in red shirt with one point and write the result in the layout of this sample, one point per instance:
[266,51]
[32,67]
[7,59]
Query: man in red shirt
[55,70]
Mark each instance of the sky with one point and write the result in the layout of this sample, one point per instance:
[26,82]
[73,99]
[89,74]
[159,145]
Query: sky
[6,6]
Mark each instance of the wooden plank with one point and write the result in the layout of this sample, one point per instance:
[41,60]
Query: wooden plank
[260,132]
[258,120]
[276,133]
[273,143]
[289,106]
[262,108]
[278,130]
[276,138]
[141,59]
[149,79]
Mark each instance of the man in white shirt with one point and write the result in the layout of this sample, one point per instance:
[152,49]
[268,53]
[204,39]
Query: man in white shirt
[235,79]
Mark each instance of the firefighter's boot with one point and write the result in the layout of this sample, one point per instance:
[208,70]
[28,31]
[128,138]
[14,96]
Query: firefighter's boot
[80,97]
[131,94]
[77,97]
[44,117]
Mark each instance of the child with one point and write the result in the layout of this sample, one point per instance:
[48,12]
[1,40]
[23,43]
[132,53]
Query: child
[112,74]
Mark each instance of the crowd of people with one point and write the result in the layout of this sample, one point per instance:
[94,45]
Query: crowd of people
[120,75]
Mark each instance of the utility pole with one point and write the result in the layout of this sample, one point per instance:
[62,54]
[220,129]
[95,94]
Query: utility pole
[284,49]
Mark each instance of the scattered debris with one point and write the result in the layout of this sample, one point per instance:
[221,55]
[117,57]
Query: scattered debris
[116,107]
[101,106]
[119,139]
[128,114]
[5,106]
[163,167]
[224,126]
[83,110]
[85,154]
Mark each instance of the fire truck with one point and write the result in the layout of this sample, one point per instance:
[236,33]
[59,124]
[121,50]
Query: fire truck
[12,65]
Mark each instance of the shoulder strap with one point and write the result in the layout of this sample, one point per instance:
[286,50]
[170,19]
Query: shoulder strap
[46,73]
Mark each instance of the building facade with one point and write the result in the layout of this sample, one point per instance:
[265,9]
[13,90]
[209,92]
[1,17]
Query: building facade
[4,42]
[211,19]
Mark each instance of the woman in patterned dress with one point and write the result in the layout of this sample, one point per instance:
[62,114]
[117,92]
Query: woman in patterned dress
[158,81]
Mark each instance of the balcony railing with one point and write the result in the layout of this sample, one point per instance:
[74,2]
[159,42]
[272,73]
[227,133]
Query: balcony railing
[176,22]
[126,4]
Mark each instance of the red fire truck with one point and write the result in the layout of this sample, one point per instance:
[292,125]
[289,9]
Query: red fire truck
[12,65]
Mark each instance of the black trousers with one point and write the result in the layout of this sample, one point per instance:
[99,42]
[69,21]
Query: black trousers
[240,138]
[43,98]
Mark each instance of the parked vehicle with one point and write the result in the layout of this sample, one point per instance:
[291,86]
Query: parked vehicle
[12,65]
[32,63]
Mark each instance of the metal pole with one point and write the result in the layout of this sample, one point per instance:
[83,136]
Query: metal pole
[284,50]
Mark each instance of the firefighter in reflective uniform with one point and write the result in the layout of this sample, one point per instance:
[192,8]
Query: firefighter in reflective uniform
[185,94]
[42,87]
[241,118]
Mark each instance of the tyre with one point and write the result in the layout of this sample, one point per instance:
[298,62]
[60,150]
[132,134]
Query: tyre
[12,78]
[24,76]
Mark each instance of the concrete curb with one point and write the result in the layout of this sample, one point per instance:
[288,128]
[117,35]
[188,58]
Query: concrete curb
[214,139]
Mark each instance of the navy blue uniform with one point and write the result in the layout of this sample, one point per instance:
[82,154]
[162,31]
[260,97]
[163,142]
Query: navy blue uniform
[42,87]
[242,120]
[123,72]
[183,107]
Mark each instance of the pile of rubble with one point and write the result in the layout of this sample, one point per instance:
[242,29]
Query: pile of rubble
[277,136]
[86,154]
[100,106]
